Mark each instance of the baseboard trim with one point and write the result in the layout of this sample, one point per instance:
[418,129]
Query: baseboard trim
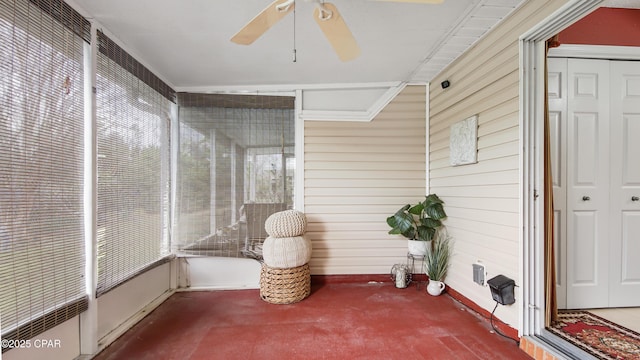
[214,288]
[348,279]
[502,327]
[357,278]
[131,321]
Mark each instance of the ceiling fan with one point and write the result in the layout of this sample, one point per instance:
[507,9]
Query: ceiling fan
[326,15]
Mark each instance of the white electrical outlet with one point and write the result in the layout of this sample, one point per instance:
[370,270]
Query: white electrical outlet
[479,274]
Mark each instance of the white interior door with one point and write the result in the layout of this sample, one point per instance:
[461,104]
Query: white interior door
[557,91]
[588,183]
[624,279]
[594,108]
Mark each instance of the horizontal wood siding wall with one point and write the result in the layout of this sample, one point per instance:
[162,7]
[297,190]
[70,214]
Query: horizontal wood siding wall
[482,200]
[358,173]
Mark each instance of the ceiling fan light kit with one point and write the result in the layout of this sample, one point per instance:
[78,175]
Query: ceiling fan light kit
[284,7]
[327,17]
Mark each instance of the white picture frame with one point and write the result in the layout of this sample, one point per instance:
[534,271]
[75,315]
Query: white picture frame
[463,142]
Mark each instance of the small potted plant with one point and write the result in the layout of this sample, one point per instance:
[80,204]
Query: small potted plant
[418,223]
[436,263]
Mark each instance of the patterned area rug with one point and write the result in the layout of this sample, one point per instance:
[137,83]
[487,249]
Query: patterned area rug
[597,336]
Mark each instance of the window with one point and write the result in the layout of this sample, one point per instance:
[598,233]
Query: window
[236,166]
[41,166]
[133,122]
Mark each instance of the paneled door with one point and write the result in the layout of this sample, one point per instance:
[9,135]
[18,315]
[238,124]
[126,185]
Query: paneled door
[587,141]
[624,279]
[557,90]
[595,129]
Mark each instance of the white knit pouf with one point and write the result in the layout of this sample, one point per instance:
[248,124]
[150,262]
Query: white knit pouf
[287,223]
[286,252]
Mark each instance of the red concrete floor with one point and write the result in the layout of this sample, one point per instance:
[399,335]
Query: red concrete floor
[337,321]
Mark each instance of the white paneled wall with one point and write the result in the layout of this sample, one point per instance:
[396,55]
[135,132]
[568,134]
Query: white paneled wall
[483,199]
[356,174]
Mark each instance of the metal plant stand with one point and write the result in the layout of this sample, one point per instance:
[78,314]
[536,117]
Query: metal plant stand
[411,264]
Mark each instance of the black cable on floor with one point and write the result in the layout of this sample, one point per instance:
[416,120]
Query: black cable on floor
[496,329]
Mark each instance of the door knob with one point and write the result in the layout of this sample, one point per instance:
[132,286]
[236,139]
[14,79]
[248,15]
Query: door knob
[586,198]
[635,198]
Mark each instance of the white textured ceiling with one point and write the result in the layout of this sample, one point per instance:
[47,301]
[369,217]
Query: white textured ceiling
[186,42]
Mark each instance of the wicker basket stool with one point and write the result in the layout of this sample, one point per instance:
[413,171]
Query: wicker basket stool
[285,286]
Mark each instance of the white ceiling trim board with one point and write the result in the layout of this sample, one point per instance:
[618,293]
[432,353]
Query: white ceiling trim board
[596,52]
[359,116]
[261,89]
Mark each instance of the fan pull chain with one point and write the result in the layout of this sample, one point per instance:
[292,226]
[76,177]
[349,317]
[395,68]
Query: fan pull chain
[294,32]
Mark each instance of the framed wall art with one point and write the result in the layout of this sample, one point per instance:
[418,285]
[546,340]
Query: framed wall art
[463,142]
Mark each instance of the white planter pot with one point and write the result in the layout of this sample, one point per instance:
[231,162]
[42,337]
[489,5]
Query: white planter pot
[417,247]
[435,288]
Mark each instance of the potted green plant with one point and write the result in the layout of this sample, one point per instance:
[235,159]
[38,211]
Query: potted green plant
[436,263]
[418,223]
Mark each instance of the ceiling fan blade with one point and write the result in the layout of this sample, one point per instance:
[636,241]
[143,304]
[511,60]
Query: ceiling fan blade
[416,1]
[337,32]
[262,22]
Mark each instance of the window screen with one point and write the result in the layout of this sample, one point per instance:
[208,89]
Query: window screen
[133,119]
[235,168]
[41,166]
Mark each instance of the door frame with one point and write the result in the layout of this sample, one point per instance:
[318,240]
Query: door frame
[532,59]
